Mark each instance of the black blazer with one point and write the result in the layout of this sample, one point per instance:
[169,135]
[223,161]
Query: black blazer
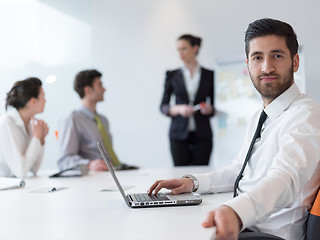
[175,84]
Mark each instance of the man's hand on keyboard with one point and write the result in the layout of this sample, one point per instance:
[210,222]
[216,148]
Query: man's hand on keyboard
[176,185]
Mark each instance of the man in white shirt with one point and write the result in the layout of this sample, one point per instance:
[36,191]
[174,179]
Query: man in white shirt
[282,175]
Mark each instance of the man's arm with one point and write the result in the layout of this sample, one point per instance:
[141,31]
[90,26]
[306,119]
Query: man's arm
[222,180]
[176,185]
[293,169]
[69,145]
[292,175]
[97,165]
[226,221]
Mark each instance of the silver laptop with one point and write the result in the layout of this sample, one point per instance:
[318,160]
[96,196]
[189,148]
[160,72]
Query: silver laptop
[143,199]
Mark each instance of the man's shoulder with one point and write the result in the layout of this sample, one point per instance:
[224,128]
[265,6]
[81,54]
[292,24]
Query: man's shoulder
[302,111]
[72,118]
[74,114]
[305,103]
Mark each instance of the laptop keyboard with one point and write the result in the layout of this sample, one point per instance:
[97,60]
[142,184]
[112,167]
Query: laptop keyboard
[144,197]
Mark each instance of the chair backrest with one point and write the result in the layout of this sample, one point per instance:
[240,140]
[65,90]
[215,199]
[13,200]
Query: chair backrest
[313,225]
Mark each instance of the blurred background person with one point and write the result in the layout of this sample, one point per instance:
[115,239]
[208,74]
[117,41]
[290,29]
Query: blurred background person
[22,137]
[80,131]
[193,88]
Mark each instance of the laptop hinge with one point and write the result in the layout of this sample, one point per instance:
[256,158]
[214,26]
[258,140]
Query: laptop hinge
[130,198]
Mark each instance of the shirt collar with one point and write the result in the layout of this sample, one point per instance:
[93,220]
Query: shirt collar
[185,69]
[88,112]
[16,116]
[281,103]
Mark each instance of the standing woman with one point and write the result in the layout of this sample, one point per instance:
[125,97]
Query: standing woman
[22,137]
[190,131]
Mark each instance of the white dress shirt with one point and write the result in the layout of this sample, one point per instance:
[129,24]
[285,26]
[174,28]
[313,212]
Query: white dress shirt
[282,175]
[20,151]
[192,86]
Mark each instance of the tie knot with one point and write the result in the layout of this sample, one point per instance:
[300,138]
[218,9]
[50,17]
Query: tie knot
[96,118]
[263,117]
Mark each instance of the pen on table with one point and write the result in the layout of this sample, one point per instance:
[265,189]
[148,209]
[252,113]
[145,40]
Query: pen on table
[52,189]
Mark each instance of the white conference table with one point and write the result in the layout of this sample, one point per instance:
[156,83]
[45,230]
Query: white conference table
[83,211]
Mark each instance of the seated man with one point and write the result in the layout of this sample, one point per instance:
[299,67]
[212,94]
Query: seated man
[80,131]
[276,174]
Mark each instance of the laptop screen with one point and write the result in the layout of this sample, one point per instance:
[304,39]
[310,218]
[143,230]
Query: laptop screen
[106,158]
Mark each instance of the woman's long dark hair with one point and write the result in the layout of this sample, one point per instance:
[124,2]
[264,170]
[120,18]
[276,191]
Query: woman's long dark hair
[22,92]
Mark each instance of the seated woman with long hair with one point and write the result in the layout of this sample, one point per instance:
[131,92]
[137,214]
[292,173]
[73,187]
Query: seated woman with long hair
[22,137]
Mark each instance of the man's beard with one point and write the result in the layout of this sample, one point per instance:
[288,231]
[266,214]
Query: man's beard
[274,89]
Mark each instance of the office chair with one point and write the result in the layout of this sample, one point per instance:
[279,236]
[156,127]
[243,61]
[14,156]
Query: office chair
[257,236]
[313,225]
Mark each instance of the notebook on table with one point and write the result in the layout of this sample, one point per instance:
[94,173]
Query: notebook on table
[140,200]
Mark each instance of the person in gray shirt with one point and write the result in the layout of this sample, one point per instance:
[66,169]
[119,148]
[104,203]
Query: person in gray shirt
[79,132]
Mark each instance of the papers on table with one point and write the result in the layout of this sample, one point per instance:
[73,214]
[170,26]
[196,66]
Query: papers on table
[114,188]
[11,183]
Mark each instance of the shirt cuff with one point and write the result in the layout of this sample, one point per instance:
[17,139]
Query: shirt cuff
[82,162]
[165,109]
[35,147]
[36,141]
[243,207]
[204,182]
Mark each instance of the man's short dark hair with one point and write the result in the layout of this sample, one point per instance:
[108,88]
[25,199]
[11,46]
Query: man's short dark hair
[268,26]
[85,78]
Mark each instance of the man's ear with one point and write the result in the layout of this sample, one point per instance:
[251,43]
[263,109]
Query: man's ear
[196,47]
[87,90]
[295,62]
[247,62]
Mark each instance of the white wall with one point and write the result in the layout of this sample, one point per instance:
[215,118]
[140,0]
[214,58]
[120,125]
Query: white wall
[40,39]
[133,43]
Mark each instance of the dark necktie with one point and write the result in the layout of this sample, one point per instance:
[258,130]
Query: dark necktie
[263,117]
